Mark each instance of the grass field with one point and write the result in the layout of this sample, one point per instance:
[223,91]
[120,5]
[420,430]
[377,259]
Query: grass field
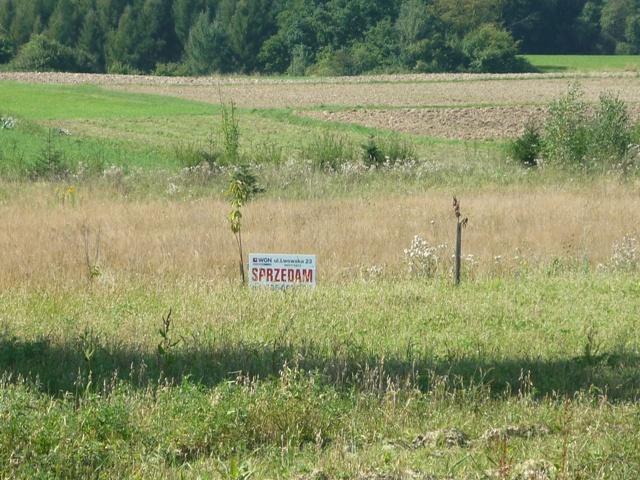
[585,63]
[113,215]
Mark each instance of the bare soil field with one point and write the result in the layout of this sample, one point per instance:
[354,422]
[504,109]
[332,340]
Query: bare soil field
[387,90]
[464,123]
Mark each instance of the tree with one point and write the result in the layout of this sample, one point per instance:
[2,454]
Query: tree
[632,34]
[7,49]
[248,24]
[491,49]
[65,22]
[91,39]
[614,18]
[208,48]
[465,15]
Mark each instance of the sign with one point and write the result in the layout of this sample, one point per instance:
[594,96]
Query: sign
[281,270]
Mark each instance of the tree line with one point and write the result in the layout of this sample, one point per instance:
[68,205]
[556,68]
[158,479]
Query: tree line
[299,37]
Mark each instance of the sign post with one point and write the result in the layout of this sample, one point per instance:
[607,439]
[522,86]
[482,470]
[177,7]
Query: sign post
[282,270]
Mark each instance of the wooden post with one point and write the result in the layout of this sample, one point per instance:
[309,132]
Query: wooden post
[458,252]
[460,223]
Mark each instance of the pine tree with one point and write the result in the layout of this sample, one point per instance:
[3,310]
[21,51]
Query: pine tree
[207,47]
[91,39]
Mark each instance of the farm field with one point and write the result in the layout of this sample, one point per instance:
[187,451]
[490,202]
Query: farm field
[584,63]
[129,350]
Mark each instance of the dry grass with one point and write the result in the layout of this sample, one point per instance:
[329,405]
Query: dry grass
[41,240]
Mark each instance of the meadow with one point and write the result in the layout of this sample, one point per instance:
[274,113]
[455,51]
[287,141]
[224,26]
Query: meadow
[128,349]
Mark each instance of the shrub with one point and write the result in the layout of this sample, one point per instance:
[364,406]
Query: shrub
[493,50]
[171,70]
[526,149]
[575,138]
[610,135]
[41,54]
[566,132]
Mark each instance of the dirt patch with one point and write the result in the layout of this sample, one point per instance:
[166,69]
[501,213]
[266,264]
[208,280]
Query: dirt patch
[451,123]
[481,123]
[383,90]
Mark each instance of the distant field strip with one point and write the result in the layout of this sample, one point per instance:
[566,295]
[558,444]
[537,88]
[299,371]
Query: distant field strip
[403,91]
[585,63]
[482,123]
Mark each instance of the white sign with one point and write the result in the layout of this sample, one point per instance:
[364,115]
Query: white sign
[280,271]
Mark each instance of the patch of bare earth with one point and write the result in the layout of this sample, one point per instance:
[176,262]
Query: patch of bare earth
[481,123]
[384,90]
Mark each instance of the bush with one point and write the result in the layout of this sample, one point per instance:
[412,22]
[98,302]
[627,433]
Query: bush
[119,68]
[574,138]
[566,131]
[610,135]
[493,50]
[41,54]
[171,70]
[527,148]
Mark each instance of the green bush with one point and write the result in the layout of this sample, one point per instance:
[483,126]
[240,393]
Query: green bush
[493,50]
[576,135]
[171,70]
[610,134]
[566,131]
[526,149]
[41,54]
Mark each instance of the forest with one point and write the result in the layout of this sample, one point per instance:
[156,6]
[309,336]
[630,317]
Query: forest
[307,37]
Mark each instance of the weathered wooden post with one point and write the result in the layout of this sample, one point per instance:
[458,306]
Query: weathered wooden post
[460,223]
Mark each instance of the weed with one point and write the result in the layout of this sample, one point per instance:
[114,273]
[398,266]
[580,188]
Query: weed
[7,123]
[167,344]
[626,254]
[230,134]
[91,253]
[421,258]
[328,152]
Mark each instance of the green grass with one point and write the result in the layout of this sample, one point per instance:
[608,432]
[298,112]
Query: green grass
[342,379]
[585,63]
[155,133]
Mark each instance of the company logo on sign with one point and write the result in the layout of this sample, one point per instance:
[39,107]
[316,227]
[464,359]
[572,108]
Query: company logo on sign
[280,271]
